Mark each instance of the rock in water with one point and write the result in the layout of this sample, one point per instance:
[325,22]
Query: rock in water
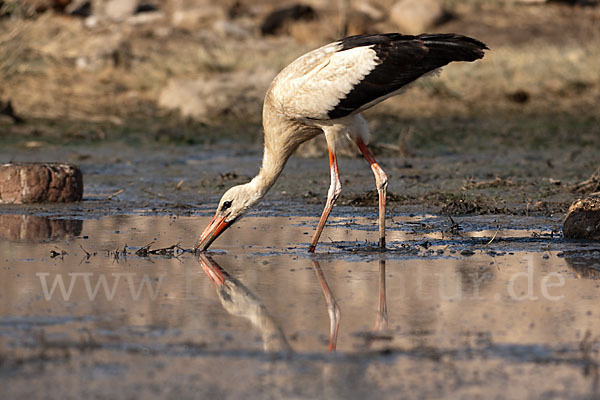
[583,219]
[40,182]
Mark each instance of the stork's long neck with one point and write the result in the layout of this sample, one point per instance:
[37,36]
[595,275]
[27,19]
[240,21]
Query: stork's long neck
[282,137]
[274,160]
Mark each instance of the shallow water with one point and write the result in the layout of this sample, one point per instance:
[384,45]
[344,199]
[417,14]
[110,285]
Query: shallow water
[463,289]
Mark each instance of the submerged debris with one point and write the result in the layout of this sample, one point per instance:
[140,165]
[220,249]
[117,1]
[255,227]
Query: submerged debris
[172,250]
[54,254]
[455,227]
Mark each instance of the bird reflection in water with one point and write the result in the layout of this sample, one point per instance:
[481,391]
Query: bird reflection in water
[380,330]
[381,323]
[332,307]
[238,300]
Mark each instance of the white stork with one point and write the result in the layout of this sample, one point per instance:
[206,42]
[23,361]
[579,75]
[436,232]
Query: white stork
[324,91]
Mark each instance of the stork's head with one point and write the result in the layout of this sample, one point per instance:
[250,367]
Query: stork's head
[233,205]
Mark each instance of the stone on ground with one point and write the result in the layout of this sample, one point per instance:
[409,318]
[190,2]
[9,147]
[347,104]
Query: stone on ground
[583,219]
[40,182]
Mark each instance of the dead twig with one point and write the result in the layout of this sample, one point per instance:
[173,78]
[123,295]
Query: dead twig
[87,254]
[118,192]
[116,255]
[143,251]
[455,227]
[494,237]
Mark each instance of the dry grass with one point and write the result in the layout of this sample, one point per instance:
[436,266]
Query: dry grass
[55,67]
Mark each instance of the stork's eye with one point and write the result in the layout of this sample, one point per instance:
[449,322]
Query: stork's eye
[226,205]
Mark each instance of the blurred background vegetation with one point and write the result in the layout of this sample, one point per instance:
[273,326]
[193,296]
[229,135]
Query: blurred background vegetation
[196,70]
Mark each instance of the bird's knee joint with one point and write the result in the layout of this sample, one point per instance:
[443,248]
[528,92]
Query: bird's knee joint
[337,190]
[334,192]
[382,181]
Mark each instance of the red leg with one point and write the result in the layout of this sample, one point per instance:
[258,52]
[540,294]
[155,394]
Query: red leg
[381,182]
[332,307]
[334,192]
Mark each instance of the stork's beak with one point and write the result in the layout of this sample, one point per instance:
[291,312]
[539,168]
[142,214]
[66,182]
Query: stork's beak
[215,227]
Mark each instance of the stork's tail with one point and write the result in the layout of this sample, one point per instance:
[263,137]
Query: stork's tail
[453,47]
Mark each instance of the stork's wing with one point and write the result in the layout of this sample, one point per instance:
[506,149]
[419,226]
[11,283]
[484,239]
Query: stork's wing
[358,72]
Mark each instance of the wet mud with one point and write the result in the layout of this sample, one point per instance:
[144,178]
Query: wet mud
[477,295]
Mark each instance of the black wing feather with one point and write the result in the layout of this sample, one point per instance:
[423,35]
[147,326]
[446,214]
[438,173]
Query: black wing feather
[403,59]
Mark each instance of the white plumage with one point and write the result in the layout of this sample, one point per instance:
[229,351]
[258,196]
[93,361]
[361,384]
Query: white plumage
[313,85]
[324,91]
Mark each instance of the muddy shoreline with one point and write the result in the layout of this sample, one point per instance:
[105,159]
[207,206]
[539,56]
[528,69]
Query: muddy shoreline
[122,177]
